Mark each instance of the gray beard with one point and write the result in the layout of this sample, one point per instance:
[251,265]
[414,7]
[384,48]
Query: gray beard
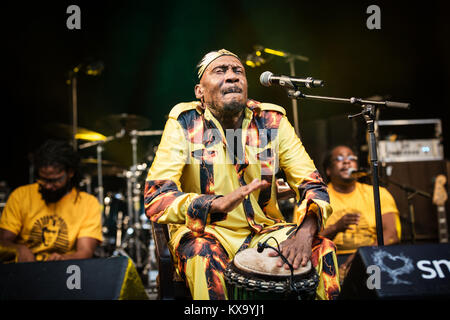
[232,108]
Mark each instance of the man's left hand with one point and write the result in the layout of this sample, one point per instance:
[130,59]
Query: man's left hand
[297,249]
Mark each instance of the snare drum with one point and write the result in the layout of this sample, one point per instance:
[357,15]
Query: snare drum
[255,276]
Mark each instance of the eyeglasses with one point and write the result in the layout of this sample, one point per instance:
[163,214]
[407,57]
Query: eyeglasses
[349,158]
[45,181]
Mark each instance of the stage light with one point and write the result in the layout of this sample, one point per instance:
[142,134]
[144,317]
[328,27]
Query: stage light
[274,52]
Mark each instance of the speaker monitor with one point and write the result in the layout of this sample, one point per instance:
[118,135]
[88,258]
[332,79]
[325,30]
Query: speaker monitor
[112,278]
[419,271]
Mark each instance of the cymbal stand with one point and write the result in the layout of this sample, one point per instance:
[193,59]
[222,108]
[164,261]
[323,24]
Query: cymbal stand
[100,173]
[134,205]
[99,144]
[133,199]
[86,182]
[100,149]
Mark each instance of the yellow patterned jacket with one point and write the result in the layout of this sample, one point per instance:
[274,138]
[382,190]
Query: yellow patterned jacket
[197,161]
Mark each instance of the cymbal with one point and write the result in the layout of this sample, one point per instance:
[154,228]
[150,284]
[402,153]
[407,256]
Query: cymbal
[84,134]
[125,121]
[94,161]
[66,131]
[109,168]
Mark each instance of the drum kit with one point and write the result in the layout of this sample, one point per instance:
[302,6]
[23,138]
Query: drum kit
[119,189]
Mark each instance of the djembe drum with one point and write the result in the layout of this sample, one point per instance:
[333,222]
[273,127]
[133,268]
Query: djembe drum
[254,275]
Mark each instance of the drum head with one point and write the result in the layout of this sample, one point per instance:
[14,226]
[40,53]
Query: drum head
[252,262]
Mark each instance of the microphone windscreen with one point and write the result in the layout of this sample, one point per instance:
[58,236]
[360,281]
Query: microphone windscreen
[400,105]
[265,78]
[318,83]
[260,247]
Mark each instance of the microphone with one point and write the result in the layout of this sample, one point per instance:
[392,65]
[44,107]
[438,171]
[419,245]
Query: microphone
[261,246]
[267,79]
[358,173]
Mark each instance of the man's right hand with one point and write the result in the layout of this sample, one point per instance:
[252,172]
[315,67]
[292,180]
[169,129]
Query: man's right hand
[8,239]
[230,201]
[24,254]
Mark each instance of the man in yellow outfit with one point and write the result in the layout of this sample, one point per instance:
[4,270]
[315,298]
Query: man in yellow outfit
[213,181]
[51,219]
[353,223]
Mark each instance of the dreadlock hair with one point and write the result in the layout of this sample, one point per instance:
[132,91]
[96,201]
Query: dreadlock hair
[59,154]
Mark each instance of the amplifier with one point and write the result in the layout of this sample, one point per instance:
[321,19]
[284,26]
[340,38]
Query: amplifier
[399,272]
[409,140]
[410,150]
[112,278]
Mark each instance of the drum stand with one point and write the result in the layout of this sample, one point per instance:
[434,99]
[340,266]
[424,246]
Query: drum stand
[134,191]
[99,144]
[369,111]
[86,182]
[133,233]
[100,174]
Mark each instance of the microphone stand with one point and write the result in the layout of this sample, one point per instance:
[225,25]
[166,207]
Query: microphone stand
[73,83]
[291,60]
[369,113]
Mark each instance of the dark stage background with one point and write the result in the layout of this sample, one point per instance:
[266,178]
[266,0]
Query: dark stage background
[150,50]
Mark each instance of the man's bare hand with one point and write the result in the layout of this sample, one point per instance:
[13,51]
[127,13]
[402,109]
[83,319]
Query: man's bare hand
[24,254]
[55,257]
[347,221]
[297,249]
[230,201]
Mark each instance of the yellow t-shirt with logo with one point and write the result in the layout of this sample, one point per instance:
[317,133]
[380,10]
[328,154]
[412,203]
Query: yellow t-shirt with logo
[359,201]
[54,227]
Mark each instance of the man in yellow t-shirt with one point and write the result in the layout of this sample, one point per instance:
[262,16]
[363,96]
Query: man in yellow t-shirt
[352,223]
[51,219]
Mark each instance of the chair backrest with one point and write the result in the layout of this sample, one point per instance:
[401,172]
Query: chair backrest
[164,259]
[171,286]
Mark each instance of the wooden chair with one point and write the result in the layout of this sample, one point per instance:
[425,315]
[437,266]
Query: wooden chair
[170,285]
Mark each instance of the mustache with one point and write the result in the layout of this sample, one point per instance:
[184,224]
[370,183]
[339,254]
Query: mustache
[233,89]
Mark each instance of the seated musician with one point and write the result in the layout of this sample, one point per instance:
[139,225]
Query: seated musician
[51,219]
[353,223]
[213,181]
